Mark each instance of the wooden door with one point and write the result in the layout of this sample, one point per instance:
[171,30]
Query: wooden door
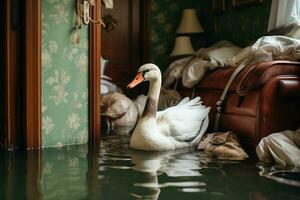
[126,47]
[12,64]
[20,74]
[2,64]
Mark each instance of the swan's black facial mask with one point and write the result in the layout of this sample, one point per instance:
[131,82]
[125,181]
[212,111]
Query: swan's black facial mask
[144,72]
[138,79]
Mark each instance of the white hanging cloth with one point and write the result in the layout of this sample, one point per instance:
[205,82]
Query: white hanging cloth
[283,12]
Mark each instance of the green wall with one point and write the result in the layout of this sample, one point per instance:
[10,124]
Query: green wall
[64,76]
[239,25]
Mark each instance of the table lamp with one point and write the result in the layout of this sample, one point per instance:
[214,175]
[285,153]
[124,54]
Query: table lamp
[182,47]
[189,23]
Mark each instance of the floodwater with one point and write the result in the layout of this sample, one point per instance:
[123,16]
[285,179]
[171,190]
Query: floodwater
[111,170]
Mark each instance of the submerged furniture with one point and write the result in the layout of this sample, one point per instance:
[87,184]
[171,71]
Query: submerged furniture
[263,99]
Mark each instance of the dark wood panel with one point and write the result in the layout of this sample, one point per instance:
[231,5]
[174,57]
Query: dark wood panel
[115,43]
[118,71]
[122,46]
[145,30]
[135,39]
[127,47]
[12,70]
[94,74]
[9,79]
[2,64]
[33,75]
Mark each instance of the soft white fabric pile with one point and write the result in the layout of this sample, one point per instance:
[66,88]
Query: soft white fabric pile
[192,69]
[282,148]
[207,59]
[268,48]
[224,54]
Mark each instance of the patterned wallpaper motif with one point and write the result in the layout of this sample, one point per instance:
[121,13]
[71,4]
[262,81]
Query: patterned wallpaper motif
[238,25]
[64,76]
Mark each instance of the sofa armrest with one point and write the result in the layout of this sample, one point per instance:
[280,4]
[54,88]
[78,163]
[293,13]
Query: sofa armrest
[280,102]
[289,88]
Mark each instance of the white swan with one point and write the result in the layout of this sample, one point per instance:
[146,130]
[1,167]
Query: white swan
[176,127]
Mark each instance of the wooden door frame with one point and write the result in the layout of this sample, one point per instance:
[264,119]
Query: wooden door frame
[9,76]
[32,117]
[94,75]
[33,76]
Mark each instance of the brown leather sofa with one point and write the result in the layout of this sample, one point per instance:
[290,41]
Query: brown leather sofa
[263,99]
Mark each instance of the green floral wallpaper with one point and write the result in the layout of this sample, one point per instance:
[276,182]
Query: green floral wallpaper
[64,76]
[239,25]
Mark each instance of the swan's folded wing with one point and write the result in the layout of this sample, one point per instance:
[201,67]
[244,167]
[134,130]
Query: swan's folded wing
[183,122]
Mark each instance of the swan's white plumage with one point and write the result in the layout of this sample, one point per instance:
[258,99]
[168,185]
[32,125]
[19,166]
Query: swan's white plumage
[176,127]
[182,121]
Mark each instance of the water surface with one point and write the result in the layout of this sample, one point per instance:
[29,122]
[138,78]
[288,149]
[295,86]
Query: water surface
[111,170]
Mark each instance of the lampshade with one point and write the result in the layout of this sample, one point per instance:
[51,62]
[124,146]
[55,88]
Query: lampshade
[189,22]
[183,46]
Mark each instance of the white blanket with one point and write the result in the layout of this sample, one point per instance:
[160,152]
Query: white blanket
[223,54]
[282,148]
[192,69]
[174,71]
[207,59]
[268,48]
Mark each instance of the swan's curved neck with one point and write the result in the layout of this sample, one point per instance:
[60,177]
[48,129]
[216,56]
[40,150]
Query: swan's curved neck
[152,99]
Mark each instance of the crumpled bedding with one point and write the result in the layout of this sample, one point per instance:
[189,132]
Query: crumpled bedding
[174,71]
[268,48]
[282,148]
[192,69]
[207,59]
[224,54]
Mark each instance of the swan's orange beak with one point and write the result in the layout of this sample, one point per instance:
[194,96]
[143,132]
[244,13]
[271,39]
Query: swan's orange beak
[137,80]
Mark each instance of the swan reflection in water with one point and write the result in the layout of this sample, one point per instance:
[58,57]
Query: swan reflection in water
[171,163]
[178,169]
